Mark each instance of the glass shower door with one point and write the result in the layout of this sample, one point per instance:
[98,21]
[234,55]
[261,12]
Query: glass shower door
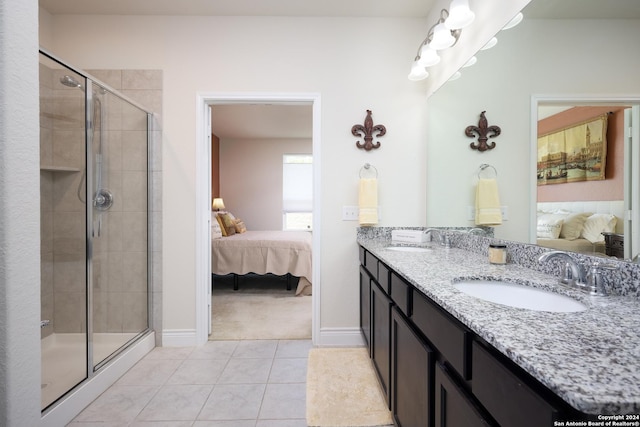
[62,229]
[94,226]
[118,229]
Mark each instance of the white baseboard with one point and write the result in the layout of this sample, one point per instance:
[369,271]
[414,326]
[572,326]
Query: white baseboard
[179,338]
[329,337]
[340,337]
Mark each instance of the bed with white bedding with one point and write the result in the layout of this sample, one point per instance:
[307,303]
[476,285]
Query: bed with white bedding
[578,226]
[281,253]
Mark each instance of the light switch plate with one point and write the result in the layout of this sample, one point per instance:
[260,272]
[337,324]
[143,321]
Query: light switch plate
[350,213]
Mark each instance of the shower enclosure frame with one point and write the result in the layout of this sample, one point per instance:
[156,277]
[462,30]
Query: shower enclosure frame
[90,193]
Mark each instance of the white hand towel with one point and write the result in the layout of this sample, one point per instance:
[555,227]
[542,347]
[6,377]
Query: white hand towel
[488,210]
[368,202]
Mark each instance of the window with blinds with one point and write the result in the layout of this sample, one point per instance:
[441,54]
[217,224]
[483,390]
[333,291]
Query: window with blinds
[297,191]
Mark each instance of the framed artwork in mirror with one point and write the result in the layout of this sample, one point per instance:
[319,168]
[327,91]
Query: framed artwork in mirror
[574,153]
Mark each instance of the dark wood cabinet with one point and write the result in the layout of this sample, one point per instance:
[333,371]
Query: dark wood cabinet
[381,337]
[510,400]
[434,371]
[365,307]
[453,406]
[412,364]
[447,334]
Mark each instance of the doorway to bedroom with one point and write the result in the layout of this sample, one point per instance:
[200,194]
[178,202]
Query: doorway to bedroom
[251,141]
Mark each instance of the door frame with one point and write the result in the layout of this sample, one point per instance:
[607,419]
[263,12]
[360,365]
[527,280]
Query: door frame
[203,196]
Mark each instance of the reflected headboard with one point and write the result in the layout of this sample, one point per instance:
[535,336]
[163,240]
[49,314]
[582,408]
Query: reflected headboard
[615,207]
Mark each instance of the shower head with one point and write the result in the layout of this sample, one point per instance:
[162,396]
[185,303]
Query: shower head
[71,82]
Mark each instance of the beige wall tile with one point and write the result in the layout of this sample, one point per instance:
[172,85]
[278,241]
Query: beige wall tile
[142,79]
[135,238]
[134,191]
[134,276]
[112,78]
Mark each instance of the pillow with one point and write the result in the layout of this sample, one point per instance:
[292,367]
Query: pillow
[216,231]
[596,224]
[573,224]
[221,225]
[549,226]
[239,225]
[226,222]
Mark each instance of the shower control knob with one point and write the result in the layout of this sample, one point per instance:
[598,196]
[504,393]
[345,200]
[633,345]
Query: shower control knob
[103,200]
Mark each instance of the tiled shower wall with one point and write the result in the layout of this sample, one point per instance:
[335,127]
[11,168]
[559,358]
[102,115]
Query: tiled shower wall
[120,263]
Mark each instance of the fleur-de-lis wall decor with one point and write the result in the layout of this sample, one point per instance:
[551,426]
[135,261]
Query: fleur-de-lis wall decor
[367,132]
[484,133]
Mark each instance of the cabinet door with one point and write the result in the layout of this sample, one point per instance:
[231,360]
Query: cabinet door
[365,307]
[509,399]
[381,337]
[412,365]
[453,408]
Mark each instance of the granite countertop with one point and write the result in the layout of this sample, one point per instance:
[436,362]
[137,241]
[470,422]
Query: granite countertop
[591,359]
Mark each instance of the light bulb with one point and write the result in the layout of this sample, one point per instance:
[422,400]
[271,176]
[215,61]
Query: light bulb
[515,21]
[428,56]
[417,72]
[470,62]
[459,15]
[442,38]
[491,43]
[455,76]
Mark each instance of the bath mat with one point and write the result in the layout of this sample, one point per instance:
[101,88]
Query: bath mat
[342,389]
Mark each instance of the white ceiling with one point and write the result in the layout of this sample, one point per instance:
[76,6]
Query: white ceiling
[258,121]
[350,8]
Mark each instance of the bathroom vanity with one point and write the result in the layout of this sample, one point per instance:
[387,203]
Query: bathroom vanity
[447,358]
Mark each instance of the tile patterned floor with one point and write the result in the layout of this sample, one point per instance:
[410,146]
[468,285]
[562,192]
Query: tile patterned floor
[221,384]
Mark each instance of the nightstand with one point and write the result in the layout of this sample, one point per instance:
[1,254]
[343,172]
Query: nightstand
[614,244]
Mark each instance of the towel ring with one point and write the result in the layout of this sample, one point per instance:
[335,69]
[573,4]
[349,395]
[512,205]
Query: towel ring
[485,166]
[367,167]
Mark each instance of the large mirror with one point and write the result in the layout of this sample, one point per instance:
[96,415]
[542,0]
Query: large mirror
[563,58]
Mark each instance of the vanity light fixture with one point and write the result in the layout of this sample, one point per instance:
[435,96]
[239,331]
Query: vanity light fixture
[470,62]
[491,43]
[455,76]
[428,56]
[442,35]
[515,21]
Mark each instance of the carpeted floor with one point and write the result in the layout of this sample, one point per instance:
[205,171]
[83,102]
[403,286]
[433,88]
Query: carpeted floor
[261,308]
[342,389]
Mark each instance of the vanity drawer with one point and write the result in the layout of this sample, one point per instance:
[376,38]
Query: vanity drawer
[371,264]
[383,277]
[509,400]
[447,335]
[400,293]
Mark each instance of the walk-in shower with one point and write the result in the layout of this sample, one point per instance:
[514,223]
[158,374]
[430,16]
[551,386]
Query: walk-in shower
[94,145]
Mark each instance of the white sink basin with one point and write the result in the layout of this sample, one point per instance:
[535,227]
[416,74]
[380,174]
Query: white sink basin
[407,249]
[519,296]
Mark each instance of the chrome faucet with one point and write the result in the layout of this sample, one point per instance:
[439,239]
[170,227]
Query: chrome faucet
[476,230]
[573,274]
[442,239]
[434,231]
